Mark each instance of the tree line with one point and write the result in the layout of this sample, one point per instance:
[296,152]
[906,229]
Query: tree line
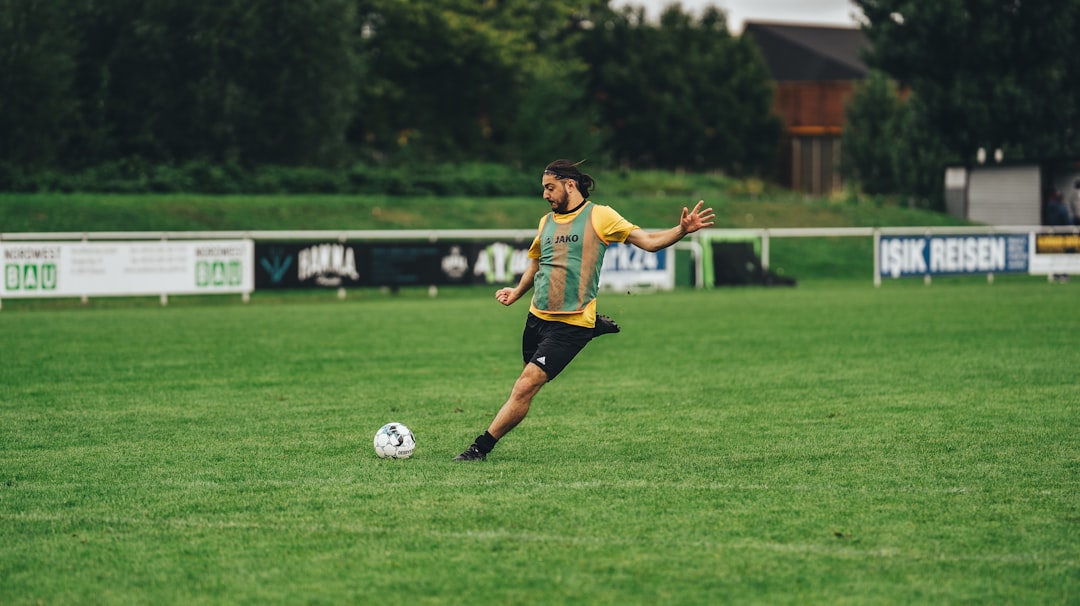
[951,77]
[332,83]
[323,90]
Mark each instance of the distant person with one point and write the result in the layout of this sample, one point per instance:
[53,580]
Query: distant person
[1057,212]
[566,257]
[1074,203]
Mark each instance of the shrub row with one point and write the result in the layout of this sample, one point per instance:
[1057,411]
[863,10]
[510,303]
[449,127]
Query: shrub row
[131,176]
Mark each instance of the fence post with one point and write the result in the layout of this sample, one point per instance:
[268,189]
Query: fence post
[877,258]
[765,249]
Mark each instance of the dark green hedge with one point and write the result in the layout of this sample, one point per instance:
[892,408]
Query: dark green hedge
[132,176]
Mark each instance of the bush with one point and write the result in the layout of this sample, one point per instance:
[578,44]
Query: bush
[205,177]
[297,179]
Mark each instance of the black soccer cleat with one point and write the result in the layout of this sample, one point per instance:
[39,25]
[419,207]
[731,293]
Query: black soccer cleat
[471,453]
[604,325]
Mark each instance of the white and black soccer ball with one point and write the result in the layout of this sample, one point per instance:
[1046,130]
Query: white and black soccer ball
[394,441]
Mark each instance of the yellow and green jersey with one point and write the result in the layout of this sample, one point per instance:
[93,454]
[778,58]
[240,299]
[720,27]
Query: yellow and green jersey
[571,251]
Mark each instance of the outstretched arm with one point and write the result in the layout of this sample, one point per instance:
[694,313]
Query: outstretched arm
[691,221]
[507,296]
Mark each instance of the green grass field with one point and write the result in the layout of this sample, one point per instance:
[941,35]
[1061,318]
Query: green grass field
[828,444]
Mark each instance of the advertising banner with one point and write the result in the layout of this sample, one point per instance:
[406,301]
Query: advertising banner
[902,256]
[1055,254]
[76,269]
[627,267]
[294,265]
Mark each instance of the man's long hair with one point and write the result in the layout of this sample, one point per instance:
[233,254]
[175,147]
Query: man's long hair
[565,169]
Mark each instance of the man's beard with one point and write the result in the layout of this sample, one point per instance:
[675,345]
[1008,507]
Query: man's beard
[561,203]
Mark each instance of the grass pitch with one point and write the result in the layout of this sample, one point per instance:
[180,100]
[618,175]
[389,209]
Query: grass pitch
[829,444]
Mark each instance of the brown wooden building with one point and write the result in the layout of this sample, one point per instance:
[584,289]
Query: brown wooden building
[815,70]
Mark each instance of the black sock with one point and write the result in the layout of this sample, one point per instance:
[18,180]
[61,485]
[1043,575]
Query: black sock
[485,442]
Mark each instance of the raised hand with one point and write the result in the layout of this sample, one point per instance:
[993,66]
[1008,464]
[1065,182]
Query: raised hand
[693,220]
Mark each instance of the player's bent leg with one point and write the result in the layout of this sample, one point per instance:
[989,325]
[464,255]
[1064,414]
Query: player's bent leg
[515,408]
[513,411]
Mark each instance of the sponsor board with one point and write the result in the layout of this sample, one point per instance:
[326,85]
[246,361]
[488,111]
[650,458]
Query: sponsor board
[627,266]
[76,269]
[358,264]
[364,264]
[901,256]
[1055,254]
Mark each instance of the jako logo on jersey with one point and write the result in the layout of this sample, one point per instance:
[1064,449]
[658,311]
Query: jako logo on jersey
[566,239]
[541,360]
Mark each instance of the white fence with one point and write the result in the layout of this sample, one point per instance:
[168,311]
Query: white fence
[221,261]
[946,250]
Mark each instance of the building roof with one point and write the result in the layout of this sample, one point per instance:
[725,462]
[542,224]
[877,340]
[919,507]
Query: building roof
[810,52]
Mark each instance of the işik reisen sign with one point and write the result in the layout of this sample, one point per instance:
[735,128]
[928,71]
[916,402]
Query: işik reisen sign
[927,255]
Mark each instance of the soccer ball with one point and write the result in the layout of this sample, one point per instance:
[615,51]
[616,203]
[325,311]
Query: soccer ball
[394,441]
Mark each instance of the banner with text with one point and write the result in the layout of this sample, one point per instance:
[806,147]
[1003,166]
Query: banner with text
[627,266]
[75,269]
[363,264]
[1055,254]
[904,256]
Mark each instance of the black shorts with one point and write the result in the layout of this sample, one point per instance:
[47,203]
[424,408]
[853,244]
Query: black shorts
[551,345]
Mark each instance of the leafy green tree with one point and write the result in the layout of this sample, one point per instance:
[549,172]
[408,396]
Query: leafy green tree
[127,84]
[171,80]
[683,93]
[456,79]
[887,147]
[554,119]
[986,73]
[444,76]
[300,77]
[872,132]
[37,67]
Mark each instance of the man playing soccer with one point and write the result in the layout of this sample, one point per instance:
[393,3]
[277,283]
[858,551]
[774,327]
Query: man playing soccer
[566,255]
